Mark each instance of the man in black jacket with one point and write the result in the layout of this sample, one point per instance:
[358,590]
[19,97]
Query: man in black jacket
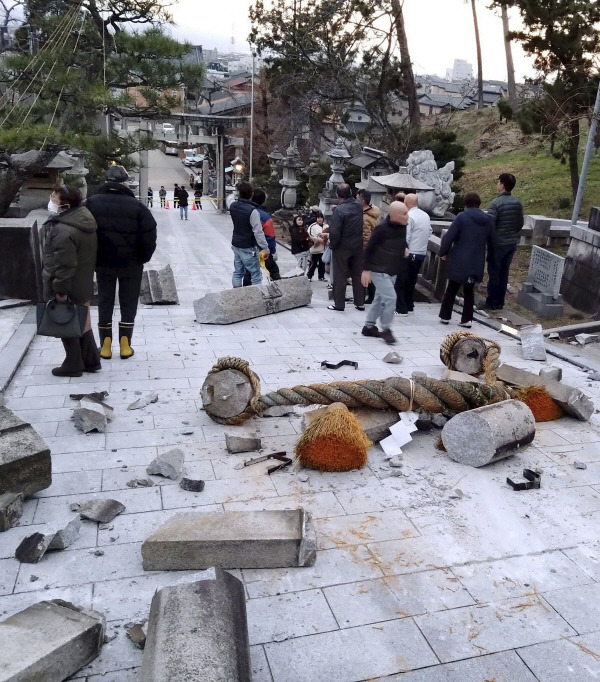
[126,240]
[346,243]
[383,262]
[506,213]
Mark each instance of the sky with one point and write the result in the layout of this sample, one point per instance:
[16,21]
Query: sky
[438,32]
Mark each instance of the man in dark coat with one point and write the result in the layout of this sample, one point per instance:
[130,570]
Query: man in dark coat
[470,233]
[126,240]
[506,212]
[346,244]
[183,202]
[383,262]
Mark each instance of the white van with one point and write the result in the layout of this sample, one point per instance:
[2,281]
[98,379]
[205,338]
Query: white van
[168,129]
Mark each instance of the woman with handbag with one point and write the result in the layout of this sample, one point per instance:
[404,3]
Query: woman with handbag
[69,259]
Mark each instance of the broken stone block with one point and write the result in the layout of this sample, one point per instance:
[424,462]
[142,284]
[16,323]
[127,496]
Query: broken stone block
[246,303]
[532,342]
[198,631]
[396,461]
[191,485]
[25,463]
[571,400]
[248,539]
[489,433]
[375,423]
[11,510]
[49,641]
[226,394]
[158,287]
[584,339]
[169,464]
[552,373]
[33,548]
[453,375]
[137,635]
[279,411]
[237,444]
[140,483]
[144,401]
[102,510]
[580,465]
[90,416]
[393,358]
[66,536]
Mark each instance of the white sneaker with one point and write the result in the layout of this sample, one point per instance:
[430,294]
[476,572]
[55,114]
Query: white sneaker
[465,324]
[401,314]
[444,321]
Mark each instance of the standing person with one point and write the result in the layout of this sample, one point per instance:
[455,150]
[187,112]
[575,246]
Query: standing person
[301,243]
[192,180]
[315,232]
[258,198]
[371,216]
[417,239]
[506,213]
[183,202]
[346,243]
[176,196]
[248,237]
[69,257]
[400,196]
[126,240]
[198,197]
[466,240]
[150,197]
[162,195]
[311,218]
[383,258]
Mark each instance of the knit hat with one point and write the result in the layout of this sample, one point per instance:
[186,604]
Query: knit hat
[116,174]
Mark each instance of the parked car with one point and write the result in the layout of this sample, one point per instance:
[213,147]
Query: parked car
[168,129]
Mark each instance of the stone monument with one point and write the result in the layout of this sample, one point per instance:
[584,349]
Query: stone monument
[290,165]
[328,197]
[541,291]
[422,165]
[581,280]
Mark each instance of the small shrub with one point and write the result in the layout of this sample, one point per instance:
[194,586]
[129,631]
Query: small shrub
[564,202]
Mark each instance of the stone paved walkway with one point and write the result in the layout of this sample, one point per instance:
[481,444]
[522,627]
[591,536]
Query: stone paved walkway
[442,574]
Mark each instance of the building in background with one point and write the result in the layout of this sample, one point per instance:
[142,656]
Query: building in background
[461,71]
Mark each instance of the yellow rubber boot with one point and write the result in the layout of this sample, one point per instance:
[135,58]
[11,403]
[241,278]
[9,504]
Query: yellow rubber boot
[105,333]
[125,332]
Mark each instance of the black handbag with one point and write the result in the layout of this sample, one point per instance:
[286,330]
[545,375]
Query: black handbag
[61,320]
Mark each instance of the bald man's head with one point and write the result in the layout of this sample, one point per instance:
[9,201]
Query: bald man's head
[398,213]
[411,200]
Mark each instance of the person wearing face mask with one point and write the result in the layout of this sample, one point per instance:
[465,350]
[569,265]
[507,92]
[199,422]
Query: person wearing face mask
[69,257]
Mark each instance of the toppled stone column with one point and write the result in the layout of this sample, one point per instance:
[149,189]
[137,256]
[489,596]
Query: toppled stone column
[158,287]
[11,510]
[25,463]
[571,400]
[248,539]
[198,631]
[489,433]
[49,641]
[246,303]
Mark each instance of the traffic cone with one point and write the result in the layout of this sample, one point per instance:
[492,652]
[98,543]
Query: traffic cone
[167,206]
[194,206]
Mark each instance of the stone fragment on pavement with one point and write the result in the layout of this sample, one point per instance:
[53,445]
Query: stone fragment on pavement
[49,642]
[532,342]
[158,287]
[453,375]
[393,358]
[144,401]
[584,339]
[33,547]
[137,635]
[580,465]
[11,510]
[232,539]
[571,400]
[90,416]
[168,464]
[489,433]
[25,463]
[396,461]
[66,536]
[191,485]
[198,631]
[102,510]
[140,483]
[237,444]
[246,303]
[552,373]
[279,411]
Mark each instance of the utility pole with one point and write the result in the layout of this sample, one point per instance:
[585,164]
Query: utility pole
[251,164]
[144,132]
[586,160]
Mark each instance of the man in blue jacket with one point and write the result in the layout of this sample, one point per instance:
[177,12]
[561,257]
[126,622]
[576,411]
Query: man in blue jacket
[506,213]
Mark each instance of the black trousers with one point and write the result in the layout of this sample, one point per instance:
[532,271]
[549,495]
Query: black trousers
[406,283]
[347,264]
[129,279]
[499,261]
[316,263]
[448,301]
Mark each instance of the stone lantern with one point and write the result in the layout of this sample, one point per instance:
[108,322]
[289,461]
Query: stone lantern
[290,166]
[275,159]
[328,198]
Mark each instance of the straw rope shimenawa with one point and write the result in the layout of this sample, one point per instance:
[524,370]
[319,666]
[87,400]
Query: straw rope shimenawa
[491,360]
[395,393]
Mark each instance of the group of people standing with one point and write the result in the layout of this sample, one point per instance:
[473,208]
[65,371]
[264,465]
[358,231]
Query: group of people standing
[113,234]
[180,198]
